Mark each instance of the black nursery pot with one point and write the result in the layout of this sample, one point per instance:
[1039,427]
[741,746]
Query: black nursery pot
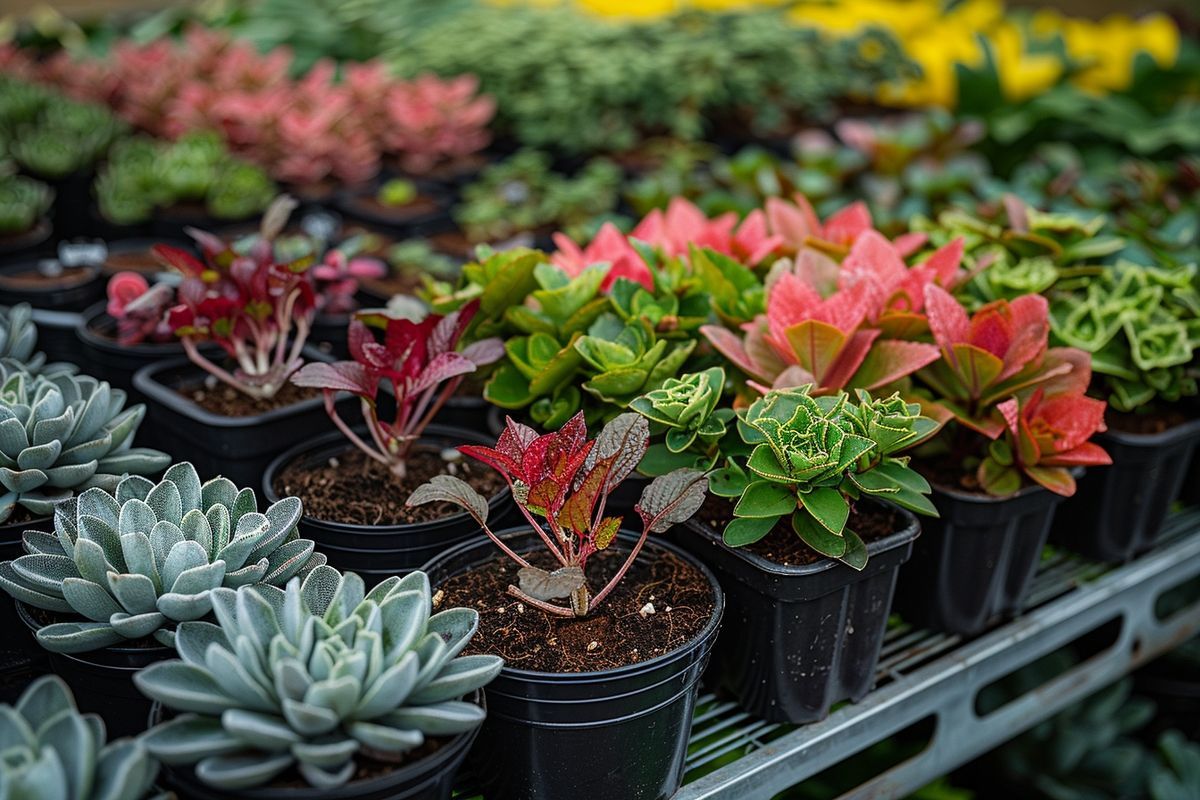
[1117,511]
[116,363]
[239,448]
[617,734]
[102,680]
[430,778]
[976,561]
[376,552]
[20,654]
[801,638]
[78,287]
[29,243]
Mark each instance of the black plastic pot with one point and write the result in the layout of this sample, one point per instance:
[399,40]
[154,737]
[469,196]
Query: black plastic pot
[117,363]
[20,653]
[32,242]
[329,335]
[239,448]
[800,638]
[84,287]
[139,245]
[102,680]
[1117,511]
[975,562]
[431,778]
[376,552]
[472,413]
[353,204]
[612,735]
[56,336]
[72,199]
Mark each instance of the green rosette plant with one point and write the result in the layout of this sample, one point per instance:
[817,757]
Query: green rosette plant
[18,340]
[51,751]
[315,676]
[813,457]
[140,559]
[23,202]
[684,410]
[1141,326]
[61,434]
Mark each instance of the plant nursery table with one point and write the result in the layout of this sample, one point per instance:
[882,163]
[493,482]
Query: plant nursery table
[1113,618]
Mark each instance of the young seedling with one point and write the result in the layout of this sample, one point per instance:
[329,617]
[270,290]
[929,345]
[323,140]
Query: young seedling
[561,482]
[420,362]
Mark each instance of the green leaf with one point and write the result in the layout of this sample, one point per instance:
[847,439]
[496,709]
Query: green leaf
[766,499]
[817,536]
[828,507]
[742,531]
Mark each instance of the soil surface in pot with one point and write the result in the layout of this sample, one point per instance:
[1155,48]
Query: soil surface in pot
[782,546]
[1155,421]
[12,241]
[615,635]
[395,282]
[369,203]
[226,401]
[44,617]
[946,473]
[356,490]
[35,279]
[143,261]
[21,514]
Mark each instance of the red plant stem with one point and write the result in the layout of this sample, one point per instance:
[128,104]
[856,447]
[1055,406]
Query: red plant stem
[505,548]
[549,608]
[199,360]
[447,391]
[355,439]
[540,531]
[637,548]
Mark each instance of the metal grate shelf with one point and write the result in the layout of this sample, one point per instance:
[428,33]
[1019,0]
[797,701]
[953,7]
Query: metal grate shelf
[924,675]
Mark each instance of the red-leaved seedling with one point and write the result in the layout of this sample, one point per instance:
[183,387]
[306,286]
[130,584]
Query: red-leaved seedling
[139,309]
[561,482]
[421,362]
[257,309]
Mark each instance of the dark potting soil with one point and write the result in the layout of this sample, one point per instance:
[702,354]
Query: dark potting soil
[142,261]
[420,206]
[1153,421]
[44,617]
[944,472]
[782,545]
[660,605]
[357,490]
[21,514]
[12,241]
[393,283]
[35,279]
[229,402]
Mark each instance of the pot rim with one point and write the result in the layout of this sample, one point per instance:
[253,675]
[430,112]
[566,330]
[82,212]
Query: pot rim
[982,498]
[536,676]
[454,745]
[97,313]
[314,445]
[146,381]
[906,534]
[1177,433]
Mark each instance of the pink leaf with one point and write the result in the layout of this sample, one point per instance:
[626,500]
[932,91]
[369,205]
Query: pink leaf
[344,376]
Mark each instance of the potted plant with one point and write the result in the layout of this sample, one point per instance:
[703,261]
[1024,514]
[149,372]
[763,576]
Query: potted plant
[105,592]
[435,127]
[612,661]
[1018,423]
[809,544]
[54,751]
[353,481]
[372,698]
[232,417]
[1140,325]
[24,226]
[397,203]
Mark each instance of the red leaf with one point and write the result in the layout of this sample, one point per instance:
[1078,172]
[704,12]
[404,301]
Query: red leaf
[342,376]
[441,368]
[179,259]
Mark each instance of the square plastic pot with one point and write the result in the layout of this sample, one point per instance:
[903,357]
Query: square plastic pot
[800,638]
[1117,511]
[975,562]
[240,448]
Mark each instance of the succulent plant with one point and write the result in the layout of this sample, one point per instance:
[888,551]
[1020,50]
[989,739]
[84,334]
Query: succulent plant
[686,409]
[23,202]
[53,751]
[61,434]
[312,676]
[813,457]
[146,556]
[18,338]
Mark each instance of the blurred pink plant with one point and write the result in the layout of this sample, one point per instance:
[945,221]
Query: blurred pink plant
[432,120]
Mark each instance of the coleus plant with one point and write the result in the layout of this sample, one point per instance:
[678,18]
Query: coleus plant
[813,458]
[421,363]
[837,326]
[561,482]
[257,309]
[997,378]
[685,411]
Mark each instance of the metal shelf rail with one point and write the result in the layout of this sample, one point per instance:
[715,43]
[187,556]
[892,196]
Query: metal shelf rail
[927,676]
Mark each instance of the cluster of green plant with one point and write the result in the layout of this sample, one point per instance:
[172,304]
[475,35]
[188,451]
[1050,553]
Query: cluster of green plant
[1141,326]
[23,202]
[569,82]
[143,175]
[689,414]
[812,457]
[523,194]
[50,135]
[1093,751]
[569,343]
